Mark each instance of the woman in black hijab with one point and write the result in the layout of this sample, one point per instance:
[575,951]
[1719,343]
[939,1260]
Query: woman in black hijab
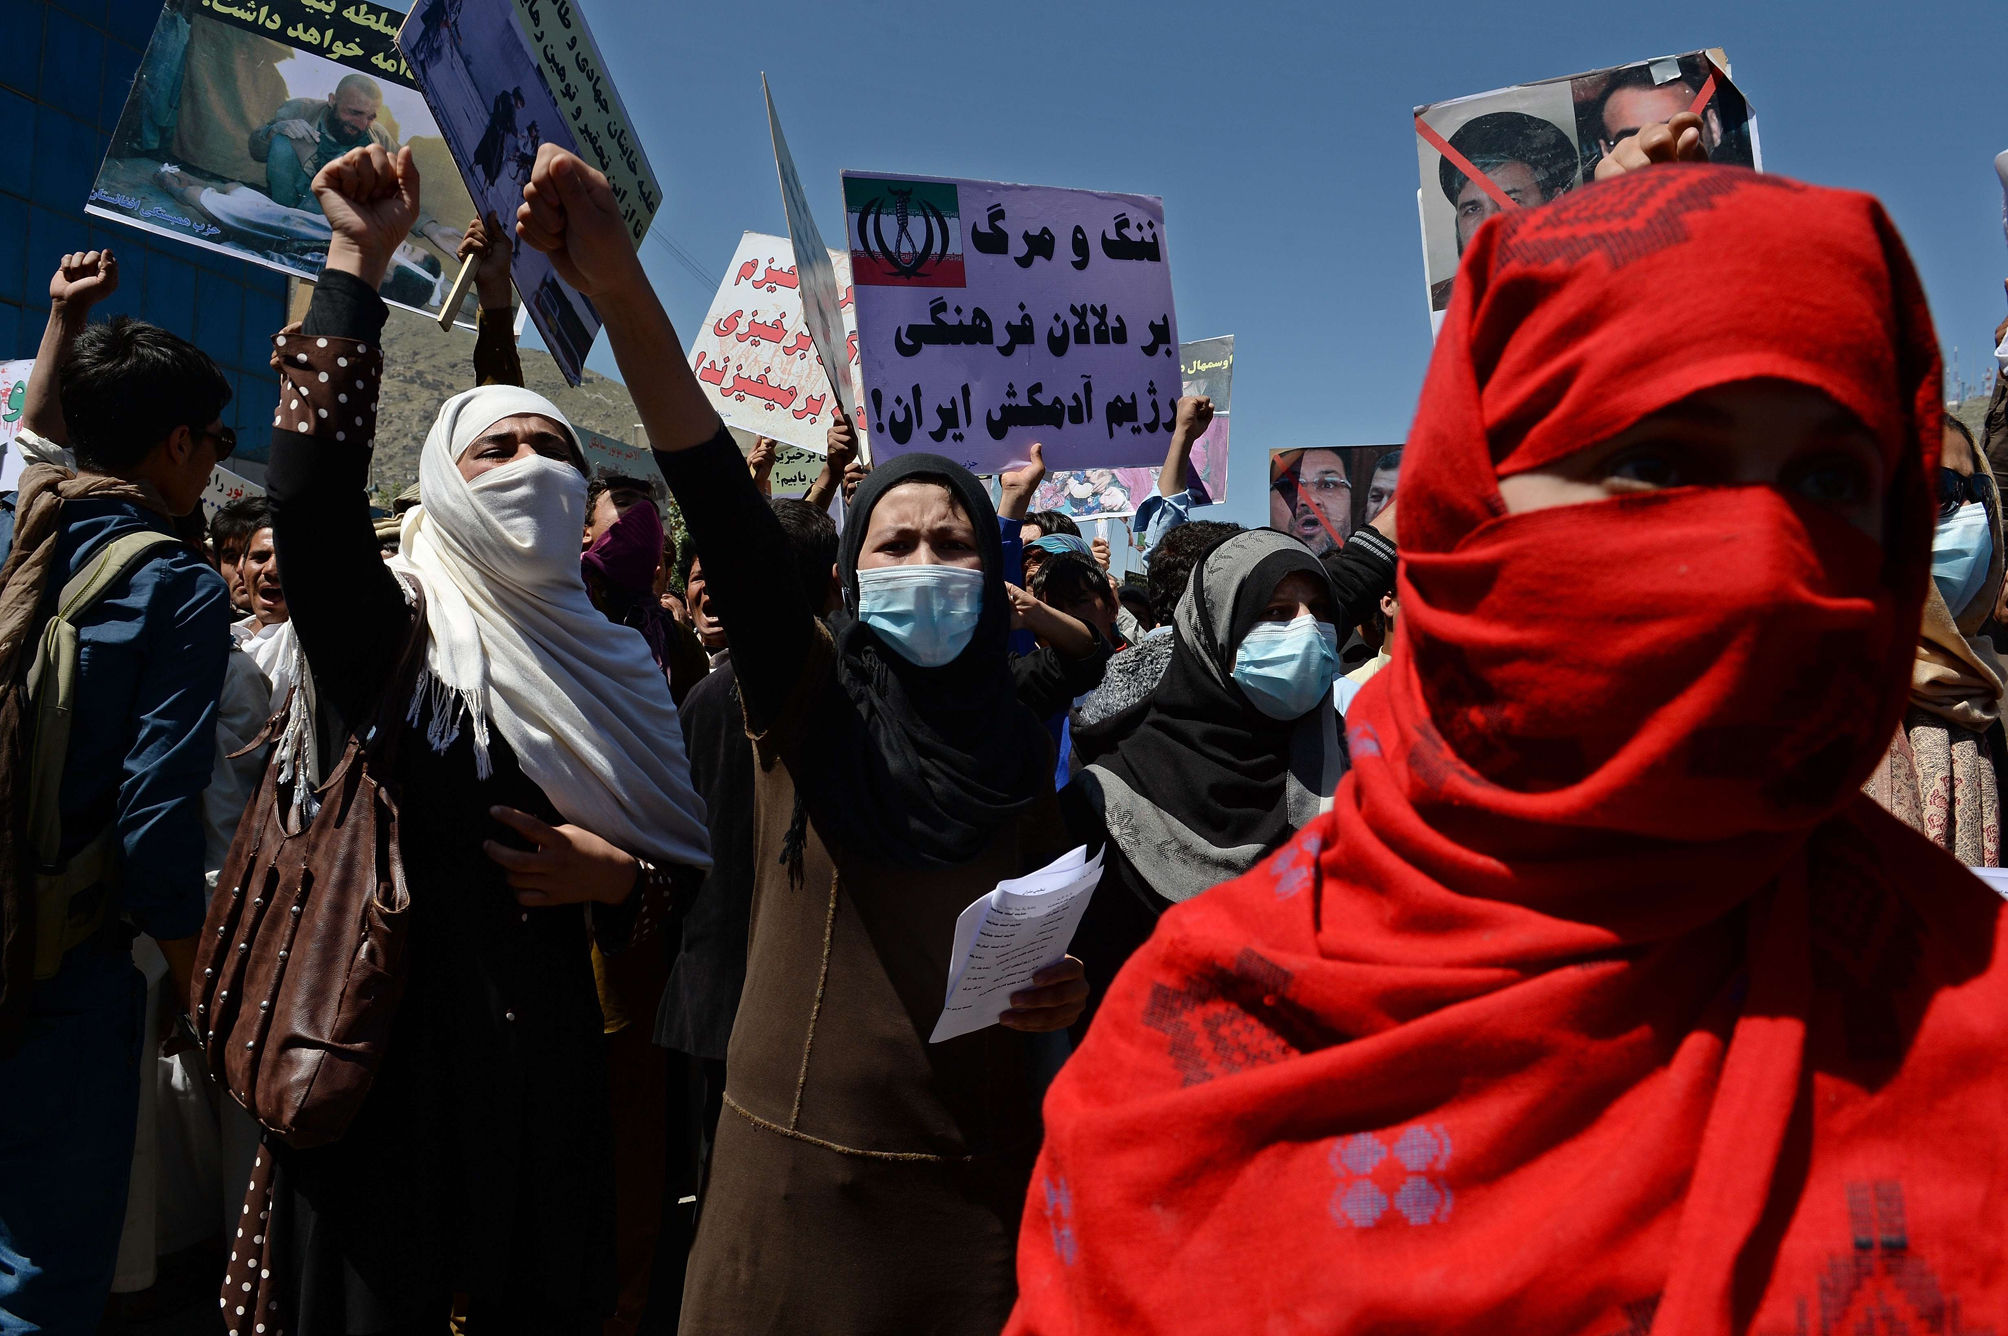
[863,1179]
[943,755]
[1238,748]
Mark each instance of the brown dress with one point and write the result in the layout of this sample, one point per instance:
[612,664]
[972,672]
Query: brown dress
[864,1179]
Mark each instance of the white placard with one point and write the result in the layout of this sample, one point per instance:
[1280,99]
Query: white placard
[754,355]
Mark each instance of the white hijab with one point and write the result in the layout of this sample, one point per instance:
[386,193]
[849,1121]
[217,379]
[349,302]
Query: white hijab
[514,639]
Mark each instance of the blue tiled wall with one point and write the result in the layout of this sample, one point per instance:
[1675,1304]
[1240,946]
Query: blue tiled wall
[65,70]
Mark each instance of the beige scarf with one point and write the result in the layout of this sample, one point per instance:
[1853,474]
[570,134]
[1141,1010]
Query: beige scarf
[1938,775]
[25,577]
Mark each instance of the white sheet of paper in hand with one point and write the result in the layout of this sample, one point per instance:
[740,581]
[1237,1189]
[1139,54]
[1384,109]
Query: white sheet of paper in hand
[1995,877]
[1007,936]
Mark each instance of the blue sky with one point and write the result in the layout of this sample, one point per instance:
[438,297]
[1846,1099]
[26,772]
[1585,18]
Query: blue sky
[1280,138]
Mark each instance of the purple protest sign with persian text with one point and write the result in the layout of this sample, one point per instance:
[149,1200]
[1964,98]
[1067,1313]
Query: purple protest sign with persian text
[991,316]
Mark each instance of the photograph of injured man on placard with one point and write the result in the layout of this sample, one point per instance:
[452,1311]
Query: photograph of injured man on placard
[231,116]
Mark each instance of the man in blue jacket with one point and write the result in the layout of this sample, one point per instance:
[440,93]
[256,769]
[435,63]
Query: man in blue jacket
[141,410]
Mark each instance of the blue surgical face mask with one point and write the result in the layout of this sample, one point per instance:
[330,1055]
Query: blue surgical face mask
[1961,552]
[927,613]
[1286,668]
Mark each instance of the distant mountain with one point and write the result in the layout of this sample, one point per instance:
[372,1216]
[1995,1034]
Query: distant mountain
[424,366]
[1973,412]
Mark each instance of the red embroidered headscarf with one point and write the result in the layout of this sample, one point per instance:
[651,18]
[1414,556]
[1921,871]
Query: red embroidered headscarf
[1602,1002]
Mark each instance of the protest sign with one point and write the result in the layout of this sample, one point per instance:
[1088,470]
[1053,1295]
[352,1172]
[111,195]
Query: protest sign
[822,302]
[795,471]
[13,402]
[237,106]
[751,354]
[1524,146]
[949,320]
[225,487]
[609,454]
[1088,494]
[1324,493]
[1207,367]
[504,77]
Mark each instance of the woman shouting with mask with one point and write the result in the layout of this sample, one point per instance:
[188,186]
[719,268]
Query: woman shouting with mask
[863,1178]
[1239,746]
[1602,1001]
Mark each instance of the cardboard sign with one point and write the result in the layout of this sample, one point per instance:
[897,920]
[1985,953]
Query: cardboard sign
[504,77]
[609,454]
[795,471]
[754,355]
[225,487]
[991,316]
[237,106]
[822,299]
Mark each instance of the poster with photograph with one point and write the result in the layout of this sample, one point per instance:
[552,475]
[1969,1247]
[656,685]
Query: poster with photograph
[1322,494]
[13,403]
[1206,366]
[237,106]
[1523,146]
[1108,494]
[499,89]
[990,316]
[754,355]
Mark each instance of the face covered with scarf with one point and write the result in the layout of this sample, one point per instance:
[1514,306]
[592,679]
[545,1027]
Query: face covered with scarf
[1602,993]
[621,566]
[515,641]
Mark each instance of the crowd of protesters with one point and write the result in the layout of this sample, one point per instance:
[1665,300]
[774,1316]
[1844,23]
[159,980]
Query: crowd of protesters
[1556,923]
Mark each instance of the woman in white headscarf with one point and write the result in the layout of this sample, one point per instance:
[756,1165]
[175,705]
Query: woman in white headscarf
[543,769]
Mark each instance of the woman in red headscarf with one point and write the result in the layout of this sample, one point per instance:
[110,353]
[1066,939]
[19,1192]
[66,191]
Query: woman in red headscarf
[1602,1002]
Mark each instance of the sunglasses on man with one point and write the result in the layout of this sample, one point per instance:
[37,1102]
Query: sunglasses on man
[226,442]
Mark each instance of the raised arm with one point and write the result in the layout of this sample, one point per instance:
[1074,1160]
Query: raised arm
[81,280]
[1363,569]
[495,358]
[841,447]
[1195,415]
[570,214]
[1177,491]
[351,616]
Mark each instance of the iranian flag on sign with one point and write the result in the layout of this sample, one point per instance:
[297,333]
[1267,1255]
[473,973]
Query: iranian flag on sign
[904,231]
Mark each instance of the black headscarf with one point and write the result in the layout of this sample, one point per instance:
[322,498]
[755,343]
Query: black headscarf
[1208,784]
[947,755]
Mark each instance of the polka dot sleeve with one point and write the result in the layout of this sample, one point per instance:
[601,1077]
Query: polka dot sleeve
[250,1299]
[327,387]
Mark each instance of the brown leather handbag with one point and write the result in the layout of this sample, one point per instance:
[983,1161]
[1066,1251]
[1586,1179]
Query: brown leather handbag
[301,962]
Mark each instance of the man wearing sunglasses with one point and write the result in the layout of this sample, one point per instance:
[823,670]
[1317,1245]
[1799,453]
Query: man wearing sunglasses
[140,413]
